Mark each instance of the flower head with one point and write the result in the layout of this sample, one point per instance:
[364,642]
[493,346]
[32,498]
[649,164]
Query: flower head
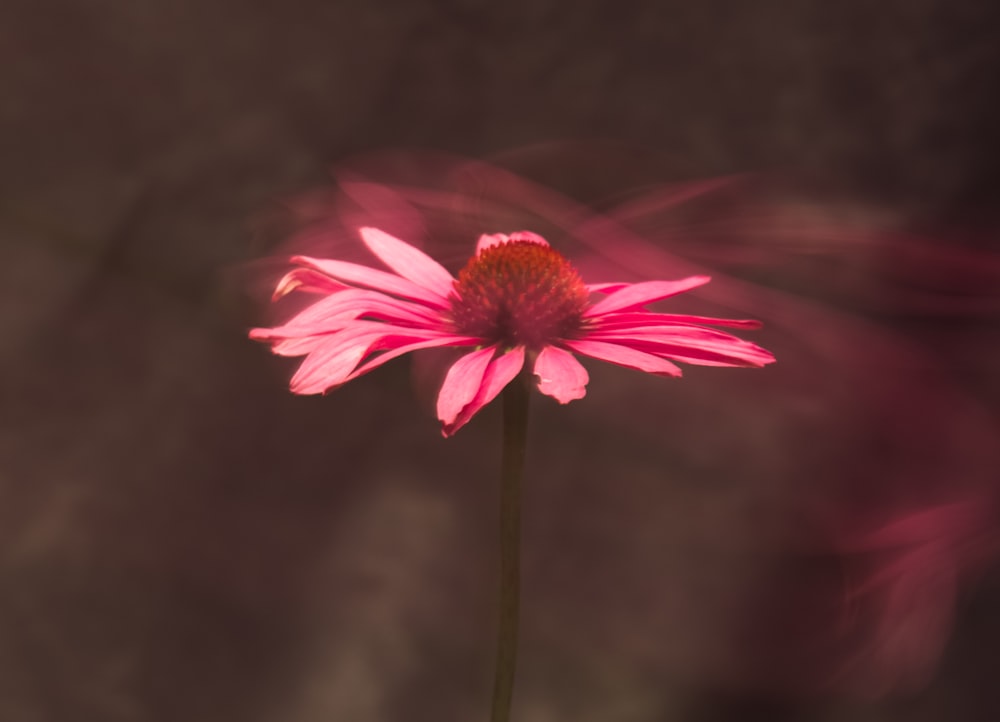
[517,301]
[518,291]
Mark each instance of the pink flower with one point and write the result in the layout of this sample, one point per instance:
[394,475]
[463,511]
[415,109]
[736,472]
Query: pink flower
[517,301]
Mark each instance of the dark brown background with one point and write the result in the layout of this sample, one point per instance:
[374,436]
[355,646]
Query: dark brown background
[181,539]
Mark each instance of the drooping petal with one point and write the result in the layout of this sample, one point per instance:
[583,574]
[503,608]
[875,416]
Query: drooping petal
[372,278]
[625,356]
[409,262]
[462,382]
[330,362]
[636,295]
[499,373]
[560,375]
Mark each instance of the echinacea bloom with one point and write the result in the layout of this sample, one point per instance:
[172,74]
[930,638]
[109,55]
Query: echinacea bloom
[517,301]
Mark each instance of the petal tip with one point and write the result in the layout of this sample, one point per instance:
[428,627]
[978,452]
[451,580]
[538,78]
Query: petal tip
[488,240]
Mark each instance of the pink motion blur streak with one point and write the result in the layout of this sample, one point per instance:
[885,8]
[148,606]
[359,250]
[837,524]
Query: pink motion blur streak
[884,528]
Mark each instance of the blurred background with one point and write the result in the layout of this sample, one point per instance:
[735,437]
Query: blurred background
[181,538]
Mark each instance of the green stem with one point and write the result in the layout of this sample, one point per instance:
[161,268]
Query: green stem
[515,431]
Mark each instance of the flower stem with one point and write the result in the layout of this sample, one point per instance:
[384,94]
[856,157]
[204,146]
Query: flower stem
[515,431]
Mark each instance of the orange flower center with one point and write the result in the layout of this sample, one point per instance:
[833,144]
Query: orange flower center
[519,293]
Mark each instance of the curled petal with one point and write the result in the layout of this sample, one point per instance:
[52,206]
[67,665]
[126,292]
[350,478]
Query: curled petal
[307,280]
[560,375]
[409,262]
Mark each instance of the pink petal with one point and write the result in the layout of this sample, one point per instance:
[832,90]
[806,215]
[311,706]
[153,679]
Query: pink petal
[747,323]
[499,373]
[680,333]
[333,361]
[648,318]
[699,336]
[434,342]
[636,295]
[409,262]
[699,357]
[605,287]
[373,278]
[529,237]
[332,315]
[488,240]
[279,335]
[624,356]
[283,344]
[297,346]
[560,375]
[462,383]
[695,348]
[329,363]
[355,302]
